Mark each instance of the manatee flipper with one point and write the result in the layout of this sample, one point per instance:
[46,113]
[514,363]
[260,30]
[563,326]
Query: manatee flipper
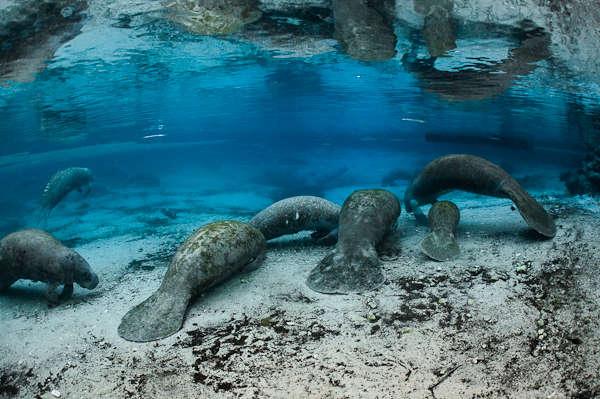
[389,248]
[51,293]
[157,317]
[255,263]
[441,246]
[341,275]
[534,214]
[325,237]
[67,292]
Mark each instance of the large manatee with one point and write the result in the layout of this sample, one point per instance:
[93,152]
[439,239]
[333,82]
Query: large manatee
[441,243]
[367,218]
[212,254]
[480,176]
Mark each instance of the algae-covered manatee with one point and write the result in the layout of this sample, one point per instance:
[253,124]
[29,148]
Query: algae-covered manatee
[36,255]
[367,218]
[212,254]
[476,175]
[441,243]
[295,214]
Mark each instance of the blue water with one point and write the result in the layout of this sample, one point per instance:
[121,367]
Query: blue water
[156,110]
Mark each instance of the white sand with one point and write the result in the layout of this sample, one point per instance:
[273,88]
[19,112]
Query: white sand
[476,327]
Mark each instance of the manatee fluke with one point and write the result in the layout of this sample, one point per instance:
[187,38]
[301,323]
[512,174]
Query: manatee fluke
[480,176]
[212,254]
[36,255]
[295,214]
[61,184]
[366,219]
[441,243]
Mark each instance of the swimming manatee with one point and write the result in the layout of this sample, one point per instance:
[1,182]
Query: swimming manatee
[36,255]
[476,175]
[295,214]
[211,255]
[61,184]
[367,218]
[441,243]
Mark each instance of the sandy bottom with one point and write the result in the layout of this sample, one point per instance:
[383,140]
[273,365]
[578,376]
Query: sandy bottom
[512,317]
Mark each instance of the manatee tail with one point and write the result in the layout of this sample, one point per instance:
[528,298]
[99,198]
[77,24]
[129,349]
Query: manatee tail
[337,274]
[440,246]
[157,317]
[534,214]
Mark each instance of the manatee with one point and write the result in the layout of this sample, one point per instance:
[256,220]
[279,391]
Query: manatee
[61,184]
[211,255]
[367,219]
[441,243]
[36,255]
[476,175]
[295,214]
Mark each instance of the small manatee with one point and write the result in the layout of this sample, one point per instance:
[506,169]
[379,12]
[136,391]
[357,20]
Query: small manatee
[476,175]
[295,214]
[211,255]
[367,218]
[441,243]
[36,255]
[61,184]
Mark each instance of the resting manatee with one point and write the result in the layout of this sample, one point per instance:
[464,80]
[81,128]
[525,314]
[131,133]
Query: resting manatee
[36,255]
[441,244]
[475,175]
[212,254]
[295,214]
[366,219]
[61,184]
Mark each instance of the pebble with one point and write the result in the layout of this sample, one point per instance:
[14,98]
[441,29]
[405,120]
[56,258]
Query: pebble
[55,393]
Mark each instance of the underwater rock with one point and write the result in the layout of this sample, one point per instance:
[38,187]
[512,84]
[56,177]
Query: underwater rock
[295,214]
[61,184]
[476,175]
[441,243]
[214,17]
[367,219]
[36,255]
[32,30]
[586,179]
[364,30]
[211,255]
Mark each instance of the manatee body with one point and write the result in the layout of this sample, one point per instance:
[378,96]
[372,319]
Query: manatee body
[441,243]
[212,254]
[480,176]
[62,183]
[366,219]
[295,214]
[36,255]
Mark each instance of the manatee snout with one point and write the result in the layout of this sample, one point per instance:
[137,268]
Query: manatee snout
[83,274]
